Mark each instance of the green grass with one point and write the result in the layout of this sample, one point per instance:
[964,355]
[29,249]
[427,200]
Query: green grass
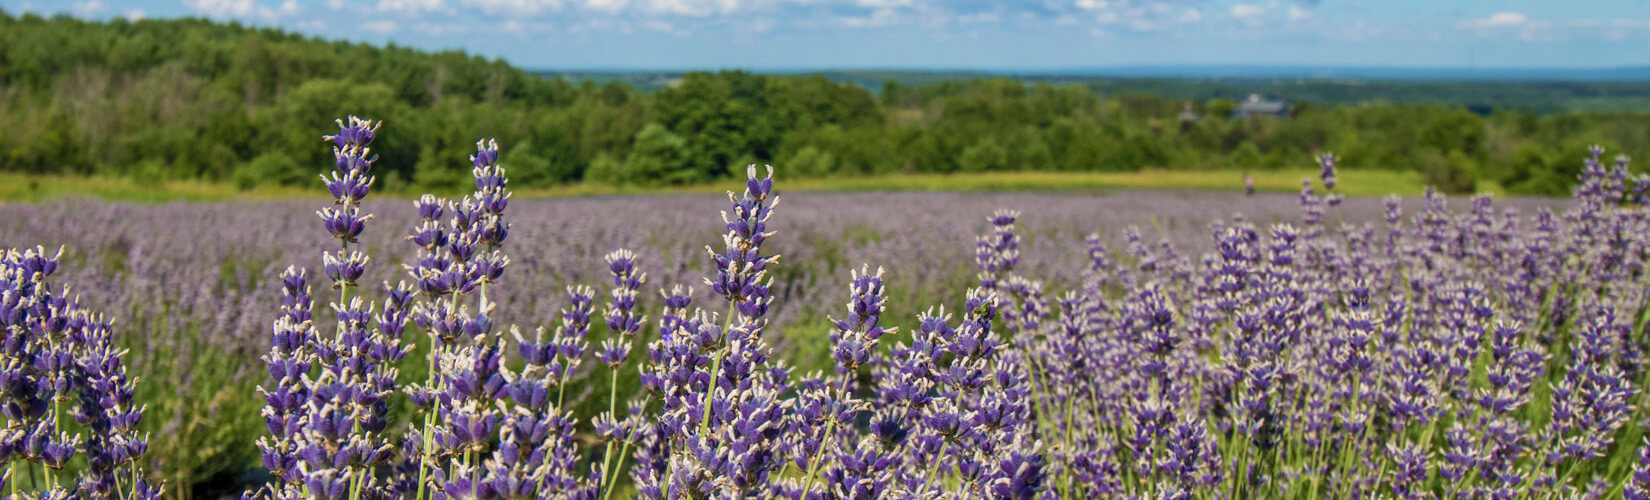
[1358,183]
[33,188]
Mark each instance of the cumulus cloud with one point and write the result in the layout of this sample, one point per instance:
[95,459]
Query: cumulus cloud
[1298,13]
[515,8]
[1137,15]
[380,26]
[414,7]
[1500,20]
[1515,24]
[1249,13]
[89,8]
[606,5]
[692,8]
[875,19]
[243,9]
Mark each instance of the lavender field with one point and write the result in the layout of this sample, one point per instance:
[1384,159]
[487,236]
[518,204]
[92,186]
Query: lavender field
[905,345]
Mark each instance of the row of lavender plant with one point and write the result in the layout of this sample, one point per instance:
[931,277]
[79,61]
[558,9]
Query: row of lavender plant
[1310,362]
[1478,354]
[1469,356]
[192,282]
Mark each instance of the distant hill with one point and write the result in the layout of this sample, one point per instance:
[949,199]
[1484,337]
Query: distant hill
[1482,90]
[1383,73]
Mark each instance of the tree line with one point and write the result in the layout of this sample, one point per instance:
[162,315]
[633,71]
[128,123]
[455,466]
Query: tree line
[195,99]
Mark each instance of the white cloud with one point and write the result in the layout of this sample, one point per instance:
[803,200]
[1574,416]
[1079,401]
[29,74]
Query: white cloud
[243,9]
[1298,13]
[606,5]
[693,8]
[413,7]
[876,19]
[1249,13]
[1516,24]
[761,25]
[383,27]
[980,18]
[442,29]
[665,27]
[135,15]
[515,8]
[89,8]
[1500,20]
[1138,15]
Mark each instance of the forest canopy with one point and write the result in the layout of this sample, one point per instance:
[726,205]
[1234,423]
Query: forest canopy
[195,99]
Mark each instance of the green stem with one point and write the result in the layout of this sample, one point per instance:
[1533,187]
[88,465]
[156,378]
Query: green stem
[356,483]
[814,467]
[1065,447]
[612,409]
[1563,479]
[716,367]
[934,468]
[624,452]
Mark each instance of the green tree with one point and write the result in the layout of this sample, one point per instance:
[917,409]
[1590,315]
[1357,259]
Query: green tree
[605,169]
[810,162]
[273,167]
[1451,173]
[659,157]
[719,119]
[436,175]
[1246,158]
[1455,131]
[984,156]
[528,168]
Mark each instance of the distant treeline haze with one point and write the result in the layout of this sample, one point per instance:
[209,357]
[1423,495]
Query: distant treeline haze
[191,99]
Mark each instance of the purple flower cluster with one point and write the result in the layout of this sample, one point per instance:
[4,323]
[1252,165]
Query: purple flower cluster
[54,351]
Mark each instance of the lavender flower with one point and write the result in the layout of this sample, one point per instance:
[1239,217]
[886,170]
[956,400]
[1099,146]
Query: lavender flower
[53,351]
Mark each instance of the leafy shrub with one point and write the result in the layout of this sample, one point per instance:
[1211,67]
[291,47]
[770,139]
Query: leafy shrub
[150,173]
[811,162]
[659,157]
[1451,174]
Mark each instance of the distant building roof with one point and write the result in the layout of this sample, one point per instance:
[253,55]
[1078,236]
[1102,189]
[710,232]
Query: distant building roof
[1257,106]
[1186,113]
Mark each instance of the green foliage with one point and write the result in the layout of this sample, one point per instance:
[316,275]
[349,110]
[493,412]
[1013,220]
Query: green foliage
[605,169]
[1528,163]
[810,162]
[1247,157]
[149,174]
[1451,173]
[175,100]
[434,175]
[984,156]
[529,169]
[660,157]
[1455,131]
[274,167]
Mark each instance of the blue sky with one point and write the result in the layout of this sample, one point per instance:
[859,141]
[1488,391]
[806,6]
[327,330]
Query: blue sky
[955,34]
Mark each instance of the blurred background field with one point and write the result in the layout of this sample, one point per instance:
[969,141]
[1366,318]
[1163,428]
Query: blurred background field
[1364,183]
